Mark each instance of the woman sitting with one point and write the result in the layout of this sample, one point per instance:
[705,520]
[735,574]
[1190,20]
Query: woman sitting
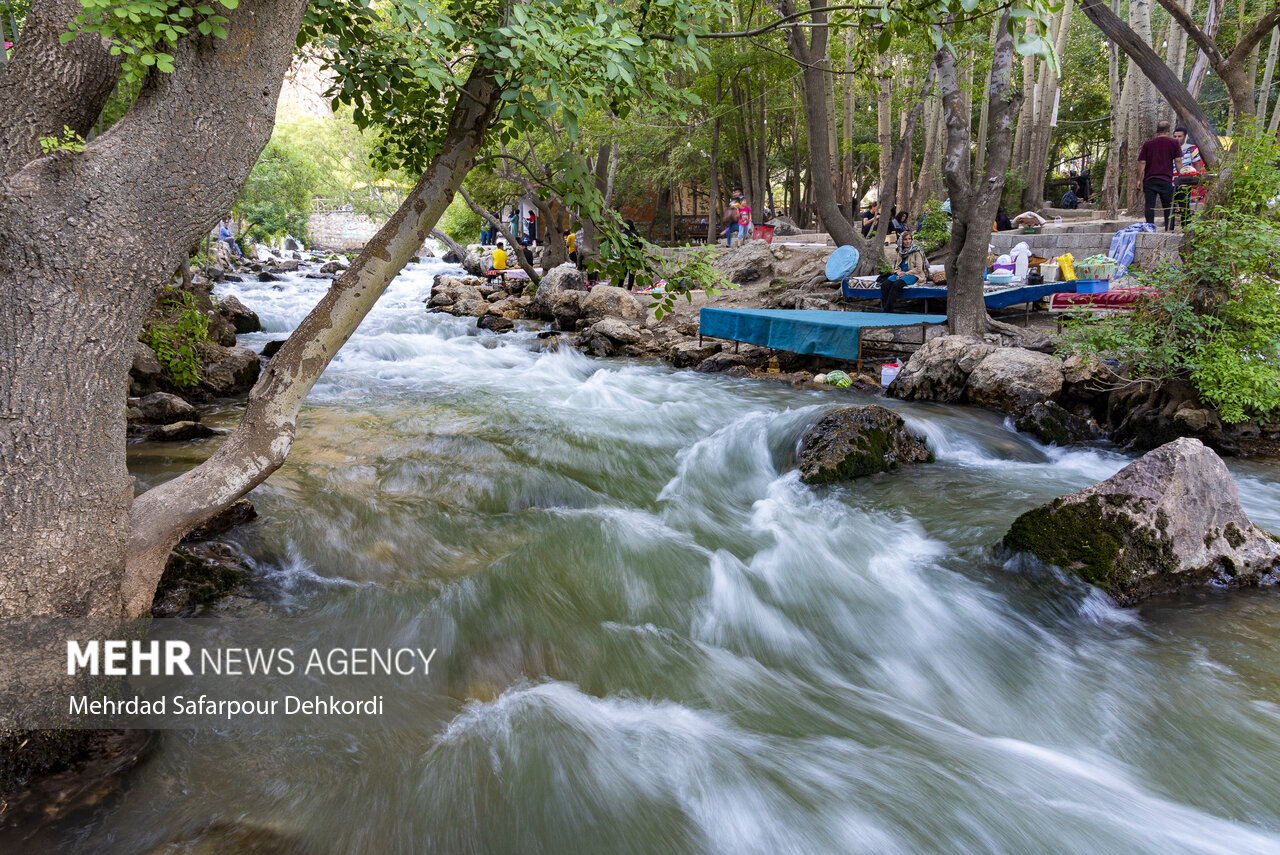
[910,266]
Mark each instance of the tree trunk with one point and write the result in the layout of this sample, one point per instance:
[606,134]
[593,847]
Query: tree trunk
[713,200]
[1264,94]
[48,85]
[1212,20]
[258,445]
[980,159]
[884,128]
[1037,169]
[1110,198]
[974,203]
[86,240]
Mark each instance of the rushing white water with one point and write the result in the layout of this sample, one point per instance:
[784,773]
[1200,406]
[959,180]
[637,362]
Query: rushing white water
[664,643]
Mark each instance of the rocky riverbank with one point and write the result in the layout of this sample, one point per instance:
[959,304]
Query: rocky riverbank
[1061,399]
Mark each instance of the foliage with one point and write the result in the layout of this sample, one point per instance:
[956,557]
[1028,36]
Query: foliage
[277,197]
[70,141]
[685,271]
[1215,317]
[459,222]
[144,31]
[177,339]
[936,229]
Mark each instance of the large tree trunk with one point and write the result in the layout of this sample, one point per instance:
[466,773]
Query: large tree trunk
[48,85]
[1110,198]
[1212,20]
[85,241]
[258,445]
[974,202]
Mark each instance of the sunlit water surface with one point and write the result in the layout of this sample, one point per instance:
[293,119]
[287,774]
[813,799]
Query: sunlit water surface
[662,642]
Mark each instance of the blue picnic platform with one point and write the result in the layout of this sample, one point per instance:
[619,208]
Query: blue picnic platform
[1002,298]
[816,331]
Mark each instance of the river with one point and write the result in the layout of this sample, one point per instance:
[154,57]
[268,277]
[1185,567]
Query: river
[664,643]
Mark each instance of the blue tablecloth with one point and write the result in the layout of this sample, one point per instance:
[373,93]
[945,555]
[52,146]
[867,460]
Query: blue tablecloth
[824,333]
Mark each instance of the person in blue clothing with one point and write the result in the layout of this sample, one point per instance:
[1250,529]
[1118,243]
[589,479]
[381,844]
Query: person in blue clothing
[224,234]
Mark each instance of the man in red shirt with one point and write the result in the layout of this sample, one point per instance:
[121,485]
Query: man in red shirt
[1159,158]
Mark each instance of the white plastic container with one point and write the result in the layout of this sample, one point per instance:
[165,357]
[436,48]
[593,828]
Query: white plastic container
[1050,270]
[888,371]
[1021,261]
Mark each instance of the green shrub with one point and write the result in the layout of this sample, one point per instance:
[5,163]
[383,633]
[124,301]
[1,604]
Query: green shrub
[1215,316]
[177,340]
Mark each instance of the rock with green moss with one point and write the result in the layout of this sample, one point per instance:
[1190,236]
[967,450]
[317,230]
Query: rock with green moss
[854,441]
[1054,425]
[1169,520]
[196,575]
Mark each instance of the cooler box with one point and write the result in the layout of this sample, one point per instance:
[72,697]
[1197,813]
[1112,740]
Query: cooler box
[1092,286]
[764,233]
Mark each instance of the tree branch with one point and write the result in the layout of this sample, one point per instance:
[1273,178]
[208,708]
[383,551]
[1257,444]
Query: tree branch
[259,444]
[1202,39]
[47,85]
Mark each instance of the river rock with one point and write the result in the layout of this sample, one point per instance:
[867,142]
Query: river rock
[180,432]
[195,575]
[332,267]
[686,353]
[1050,423]
[1014,379]
[268,277]
[162,408]
[609,301]
[557,280]
[1168,520]
[747,263]
[285,266]
[228,370]
[272,347]
[854,441]
[145,372]
[237,513]
[495,322]
[244,319]
[939,370]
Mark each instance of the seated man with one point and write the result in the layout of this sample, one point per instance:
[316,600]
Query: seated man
[910,266]
[1070,201]
[499,264]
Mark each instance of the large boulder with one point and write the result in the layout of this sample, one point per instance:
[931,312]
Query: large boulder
[939,370]
[750,262]
[557,280]
[1168,520]
[1014,379]
[854,441]
[240,316]
[609,301]
[228,370]
[161,408]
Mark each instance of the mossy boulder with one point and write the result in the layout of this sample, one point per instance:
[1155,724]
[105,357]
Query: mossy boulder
[196,575]
[1169,520]
[855,441]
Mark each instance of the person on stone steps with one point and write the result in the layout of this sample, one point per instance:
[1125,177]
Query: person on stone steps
[910,266]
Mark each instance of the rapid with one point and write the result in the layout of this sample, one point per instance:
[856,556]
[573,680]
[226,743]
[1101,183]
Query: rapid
[662,642]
